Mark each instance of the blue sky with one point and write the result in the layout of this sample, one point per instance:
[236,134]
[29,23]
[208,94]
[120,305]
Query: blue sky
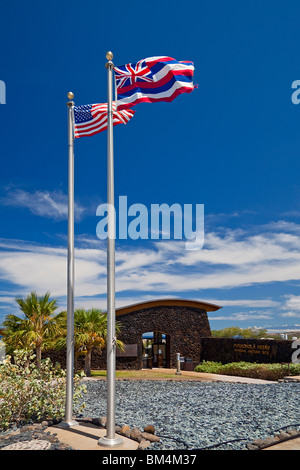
[232,145]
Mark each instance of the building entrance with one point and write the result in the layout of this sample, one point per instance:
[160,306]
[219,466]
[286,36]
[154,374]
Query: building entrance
[156,350]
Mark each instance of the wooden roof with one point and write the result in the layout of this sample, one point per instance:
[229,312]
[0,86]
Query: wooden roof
[167,302]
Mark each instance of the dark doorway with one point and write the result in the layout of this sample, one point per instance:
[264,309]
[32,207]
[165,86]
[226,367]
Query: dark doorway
[156,350]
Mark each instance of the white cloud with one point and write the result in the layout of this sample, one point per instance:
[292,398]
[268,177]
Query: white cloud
[162,268]
[53,205]
[292,302]
[100,302]
[244,302]
[241,316]
[231,250]
[40,268]
[290,314]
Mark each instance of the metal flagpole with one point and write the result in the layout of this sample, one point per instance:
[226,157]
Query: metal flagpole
[70,289]
[110,439]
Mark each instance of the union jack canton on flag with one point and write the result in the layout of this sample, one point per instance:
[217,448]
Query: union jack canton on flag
[153,79]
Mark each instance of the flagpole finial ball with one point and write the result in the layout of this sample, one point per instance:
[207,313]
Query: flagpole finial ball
[109,55]
[70,95]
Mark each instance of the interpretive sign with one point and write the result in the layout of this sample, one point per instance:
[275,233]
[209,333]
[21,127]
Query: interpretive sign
[255,349]
[250,350]
[130,350]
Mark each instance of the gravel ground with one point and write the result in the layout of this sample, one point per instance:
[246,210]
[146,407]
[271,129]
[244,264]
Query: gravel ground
[186,415]
[196,415]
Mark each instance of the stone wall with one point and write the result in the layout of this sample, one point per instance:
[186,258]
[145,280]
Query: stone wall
[226,350]
[198,348]
[184,325]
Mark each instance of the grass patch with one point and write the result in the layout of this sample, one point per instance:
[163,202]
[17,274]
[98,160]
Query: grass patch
[134,374]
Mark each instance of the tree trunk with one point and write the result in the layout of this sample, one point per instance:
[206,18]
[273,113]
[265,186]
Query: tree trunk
[38,356]
[87,363]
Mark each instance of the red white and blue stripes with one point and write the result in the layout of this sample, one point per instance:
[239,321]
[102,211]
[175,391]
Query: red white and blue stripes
[91,119]
[153,79]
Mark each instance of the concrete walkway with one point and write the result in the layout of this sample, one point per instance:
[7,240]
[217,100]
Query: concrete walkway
[292,444]
[85,436]
[204,377]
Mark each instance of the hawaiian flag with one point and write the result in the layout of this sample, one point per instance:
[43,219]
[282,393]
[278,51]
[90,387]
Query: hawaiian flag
[153,79]
[91,119]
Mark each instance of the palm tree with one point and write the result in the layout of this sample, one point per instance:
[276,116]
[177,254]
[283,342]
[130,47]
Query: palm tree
[90,328]
[90,333]
[37,328]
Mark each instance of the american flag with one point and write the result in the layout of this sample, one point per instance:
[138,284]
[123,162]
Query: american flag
[154,79]
[91,119]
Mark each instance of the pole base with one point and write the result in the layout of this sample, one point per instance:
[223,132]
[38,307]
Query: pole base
[68,424]
[110,442]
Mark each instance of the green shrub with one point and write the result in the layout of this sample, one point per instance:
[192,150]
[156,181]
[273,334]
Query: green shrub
[28,394]
[249,369]
[209,367]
